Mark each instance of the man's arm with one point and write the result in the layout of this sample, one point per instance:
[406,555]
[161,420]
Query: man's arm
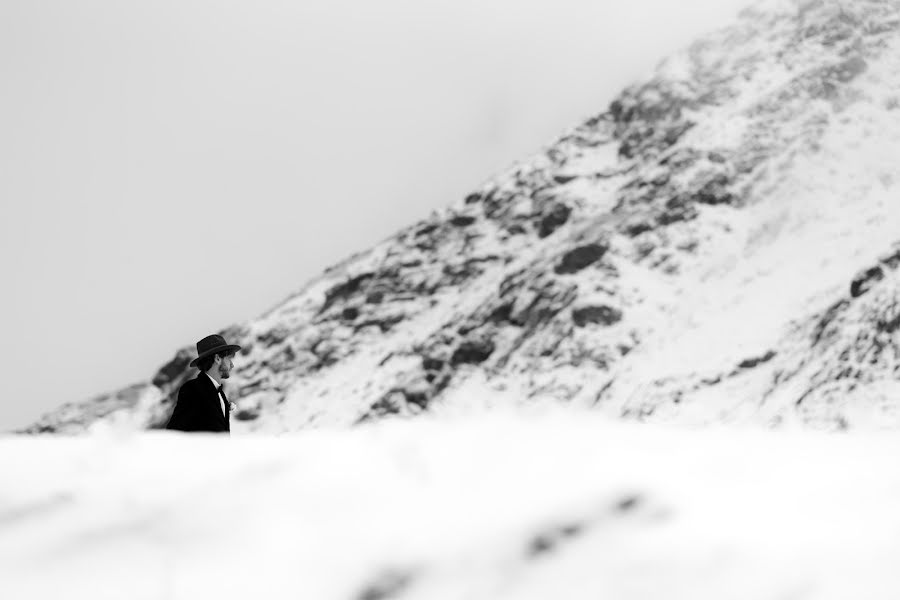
[185,414]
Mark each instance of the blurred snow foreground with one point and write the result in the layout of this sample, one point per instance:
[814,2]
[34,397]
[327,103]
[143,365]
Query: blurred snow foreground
[548,505]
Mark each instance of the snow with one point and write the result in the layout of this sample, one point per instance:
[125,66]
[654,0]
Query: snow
[537,504]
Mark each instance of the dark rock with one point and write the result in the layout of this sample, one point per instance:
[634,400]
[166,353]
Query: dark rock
[601,315]
[472,352]
[389,404]
[680,159]
[246,414]
[563,179]
[375,297]
[888,326]
[824,324]
[501,313]
[636,225]
[283,361]
[432,364]
[661,179]
[387,585]
[864,280]
[251,387]
[715,191]
[344,290]
[384,323]
[892,259]
[426,229]
[417,398]
[350,313]
[673,134]
[273,336]
[462,220]
[552,538]
[555,217]
[628,503]
[749,363]
[677,209]
[577,259]
[173,369]
[473,198]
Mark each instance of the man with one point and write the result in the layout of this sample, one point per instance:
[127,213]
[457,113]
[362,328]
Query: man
[201,404]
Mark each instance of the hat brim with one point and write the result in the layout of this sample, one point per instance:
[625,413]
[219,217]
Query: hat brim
[226,348]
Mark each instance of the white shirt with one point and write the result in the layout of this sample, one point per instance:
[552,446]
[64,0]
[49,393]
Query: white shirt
[219,394]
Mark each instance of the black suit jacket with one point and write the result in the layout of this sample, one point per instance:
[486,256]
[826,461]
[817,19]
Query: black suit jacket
[198,407]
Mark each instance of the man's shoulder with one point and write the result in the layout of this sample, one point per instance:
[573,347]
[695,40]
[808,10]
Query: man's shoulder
[192,385]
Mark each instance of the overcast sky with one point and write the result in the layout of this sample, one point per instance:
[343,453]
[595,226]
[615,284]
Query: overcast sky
[169,168]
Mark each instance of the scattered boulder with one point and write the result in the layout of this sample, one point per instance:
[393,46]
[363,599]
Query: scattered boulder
[562,179]
[432,364]
[390,584]
[892,259]
[750,363]
[551,539]
[173,369]
[502,313]
[344,290]
[247,414]
[389,404]
[273,336]
[553,219]
[601,315]
[426,229]
[715,191]
[677,208]
[462,220]
[636,225]
[472,352]
[385,323]
[578,258]
[865,279]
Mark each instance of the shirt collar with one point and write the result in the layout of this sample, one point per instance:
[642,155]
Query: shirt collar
[213,381]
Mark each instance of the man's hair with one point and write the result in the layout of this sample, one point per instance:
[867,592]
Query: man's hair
[206,363]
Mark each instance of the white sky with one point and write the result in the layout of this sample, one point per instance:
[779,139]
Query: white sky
[173,167]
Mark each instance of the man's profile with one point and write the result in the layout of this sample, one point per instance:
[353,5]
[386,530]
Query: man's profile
[201,404]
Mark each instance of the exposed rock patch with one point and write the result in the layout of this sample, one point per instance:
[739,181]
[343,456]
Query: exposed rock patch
[579,258]
[601,315]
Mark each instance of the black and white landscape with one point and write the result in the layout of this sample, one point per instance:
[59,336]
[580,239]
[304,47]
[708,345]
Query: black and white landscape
[617,369]
[717,246]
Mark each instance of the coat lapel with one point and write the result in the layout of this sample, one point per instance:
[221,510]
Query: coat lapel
[216,406]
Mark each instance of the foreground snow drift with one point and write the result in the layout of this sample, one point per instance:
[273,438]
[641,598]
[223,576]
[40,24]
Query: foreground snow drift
[551,506]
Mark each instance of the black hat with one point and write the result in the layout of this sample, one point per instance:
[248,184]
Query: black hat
[212,344]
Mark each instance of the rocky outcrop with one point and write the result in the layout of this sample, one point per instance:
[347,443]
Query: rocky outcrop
[683,254]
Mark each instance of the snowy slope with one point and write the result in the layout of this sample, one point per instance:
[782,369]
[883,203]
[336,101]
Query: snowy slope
[569,506]
[716,246]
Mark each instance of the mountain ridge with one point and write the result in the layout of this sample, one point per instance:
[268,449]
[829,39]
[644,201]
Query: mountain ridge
[716,246]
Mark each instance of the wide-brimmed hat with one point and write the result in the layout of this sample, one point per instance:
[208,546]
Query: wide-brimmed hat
[212,344]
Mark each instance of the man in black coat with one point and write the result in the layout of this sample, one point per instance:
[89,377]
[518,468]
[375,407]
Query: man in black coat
[201,404]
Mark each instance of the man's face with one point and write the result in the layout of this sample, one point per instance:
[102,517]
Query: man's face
[225,365]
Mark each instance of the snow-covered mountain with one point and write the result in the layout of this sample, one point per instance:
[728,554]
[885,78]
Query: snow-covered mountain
[719,245]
